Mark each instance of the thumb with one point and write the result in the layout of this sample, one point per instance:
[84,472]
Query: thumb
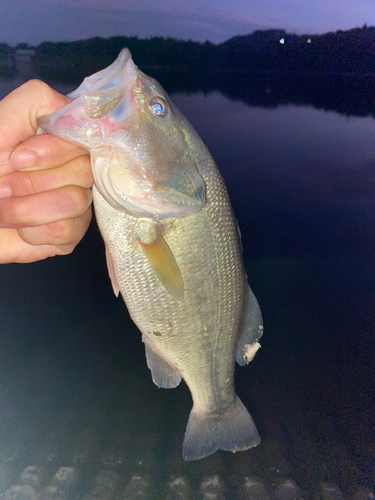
[20,110]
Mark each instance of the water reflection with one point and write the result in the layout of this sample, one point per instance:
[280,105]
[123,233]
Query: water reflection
[73,373]
[349,94]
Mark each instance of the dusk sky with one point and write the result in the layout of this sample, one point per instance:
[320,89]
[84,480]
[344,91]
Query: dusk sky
[214,20]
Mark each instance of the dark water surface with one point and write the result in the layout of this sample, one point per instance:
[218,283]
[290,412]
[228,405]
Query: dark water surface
[73,374]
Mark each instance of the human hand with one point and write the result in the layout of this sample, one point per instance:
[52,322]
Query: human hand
[44,198]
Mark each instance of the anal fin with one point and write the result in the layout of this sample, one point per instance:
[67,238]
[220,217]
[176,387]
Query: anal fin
[252,330]
[163,374]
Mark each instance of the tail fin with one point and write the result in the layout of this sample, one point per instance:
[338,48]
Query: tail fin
[232,431]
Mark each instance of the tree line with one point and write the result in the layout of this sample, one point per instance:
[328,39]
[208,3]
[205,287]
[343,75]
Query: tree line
[274,51]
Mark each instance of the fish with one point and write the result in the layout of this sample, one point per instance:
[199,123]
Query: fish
[173,246]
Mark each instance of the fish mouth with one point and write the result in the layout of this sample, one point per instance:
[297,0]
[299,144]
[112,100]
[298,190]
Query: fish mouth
[102,104]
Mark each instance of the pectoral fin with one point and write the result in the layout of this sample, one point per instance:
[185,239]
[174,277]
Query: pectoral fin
[164,265]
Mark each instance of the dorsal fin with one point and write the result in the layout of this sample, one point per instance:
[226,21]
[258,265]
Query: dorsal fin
[252,330]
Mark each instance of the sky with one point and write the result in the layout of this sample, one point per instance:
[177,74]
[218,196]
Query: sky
[215,20]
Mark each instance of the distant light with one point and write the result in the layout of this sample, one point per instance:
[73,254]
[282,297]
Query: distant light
[282,40]
[309,40]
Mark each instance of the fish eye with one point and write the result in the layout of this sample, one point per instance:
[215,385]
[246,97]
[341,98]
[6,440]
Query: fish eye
[159,107]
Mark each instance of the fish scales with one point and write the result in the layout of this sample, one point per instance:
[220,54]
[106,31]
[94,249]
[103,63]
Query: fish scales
[172,245]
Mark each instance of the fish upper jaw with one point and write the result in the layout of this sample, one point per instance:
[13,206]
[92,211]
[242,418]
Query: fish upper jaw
[115,75]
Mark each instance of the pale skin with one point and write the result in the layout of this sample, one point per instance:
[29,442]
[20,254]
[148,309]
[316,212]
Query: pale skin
[45,198]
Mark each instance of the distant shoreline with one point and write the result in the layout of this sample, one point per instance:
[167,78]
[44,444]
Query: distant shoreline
[334,72]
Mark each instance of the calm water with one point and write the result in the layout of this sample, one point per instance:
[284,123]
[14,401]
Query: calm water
[73,374]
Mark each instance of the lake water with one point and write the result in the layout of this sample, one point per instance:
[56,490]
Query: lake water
[73,378]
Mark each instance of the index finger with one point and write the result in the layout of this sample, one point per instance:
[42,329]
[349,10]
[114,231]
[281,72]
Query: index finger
[21,109]
[19,112]
[44,151]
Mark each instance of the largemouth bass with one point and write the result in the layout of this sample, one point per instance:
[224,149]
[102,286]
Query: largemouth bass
[172,245]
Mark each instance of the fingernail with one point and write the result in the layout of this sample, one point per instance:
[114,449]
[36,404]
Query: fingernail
[22,159]
[5,191]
